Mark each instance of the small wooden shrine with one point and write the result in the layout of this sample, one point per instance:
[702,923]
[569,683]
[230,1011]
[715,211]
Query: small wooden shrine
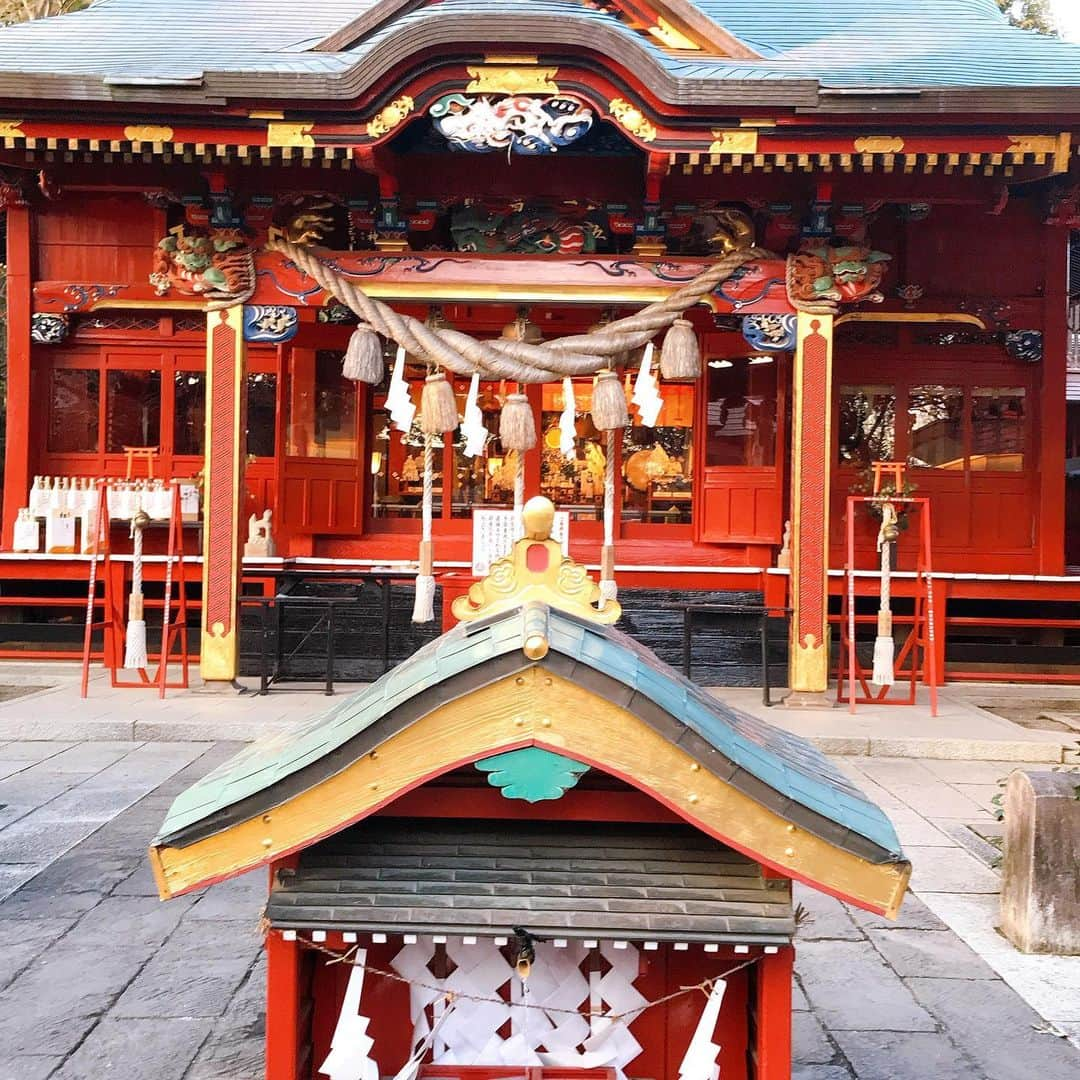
[532,846]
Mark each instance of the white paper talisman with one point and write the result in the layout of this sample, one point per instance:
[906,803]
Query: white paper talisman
[494,533]
[27,532]
[189,500]
[60,532]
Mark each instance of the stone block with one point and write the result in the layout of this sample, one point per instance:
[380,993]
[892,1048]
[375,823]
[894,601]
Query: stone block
[904,1055]
[1040,893]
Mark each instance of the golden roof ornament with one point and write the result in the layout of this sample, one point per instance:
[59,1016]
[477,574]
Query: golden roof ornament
[536,572]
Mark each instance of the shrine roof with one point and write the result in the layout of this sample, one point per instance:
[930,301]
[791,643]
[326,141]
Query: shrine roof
[773,767]
[135,49]
[573,880]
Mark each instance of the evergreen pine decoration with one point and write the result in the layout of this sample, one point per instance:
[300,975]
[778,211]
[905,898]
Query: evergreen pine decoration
[680,357]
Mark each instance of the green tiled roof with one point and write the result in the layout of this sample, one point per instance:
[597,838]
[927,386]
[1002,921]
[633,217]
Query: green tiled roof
[779,769]
[838,44]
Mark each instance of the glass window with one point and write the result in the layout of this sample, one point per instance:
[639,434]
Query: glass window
[486,480]
[574,482]
[261,414]
[322,408]
[936,427]
[658,462]
[741,412]
[189,412]
[74,400]
[397,465]
[867,425]
[132,409]
[997,429]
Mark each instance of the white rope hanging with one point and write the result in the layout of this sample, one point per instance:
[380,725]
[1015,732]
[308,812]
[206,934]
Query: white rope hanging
[883,673]
[424,600]
[135,657]
[609,590]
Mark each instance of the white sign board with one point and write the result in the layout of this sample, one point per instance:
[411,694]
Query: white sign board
[494,533]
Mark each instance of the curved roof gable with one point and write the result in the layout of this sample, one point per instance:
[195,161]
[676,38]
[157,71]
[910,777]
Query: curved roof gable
[771,771]
[335,49]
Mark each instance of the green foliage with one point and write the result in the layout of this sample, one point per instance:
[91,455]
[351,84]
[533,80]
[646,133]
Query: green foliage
[1030,15]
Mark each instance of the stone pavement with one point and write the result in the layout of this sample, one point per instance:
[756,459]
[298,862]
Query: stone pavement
[962,729]
[98,978]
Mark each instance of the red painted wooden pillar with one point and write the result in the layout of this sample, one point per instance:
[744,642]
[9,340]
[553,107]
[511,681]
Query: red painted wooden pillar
[19,303]
[808,664]
[773,1011]
[223,494]
[1052,418]
[283,1049]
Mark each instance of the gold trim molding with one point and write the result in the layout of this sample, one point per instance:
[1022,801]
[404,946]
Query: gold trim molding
[290,133]
[507,79]
[150,133]
[879,144]
[739,141]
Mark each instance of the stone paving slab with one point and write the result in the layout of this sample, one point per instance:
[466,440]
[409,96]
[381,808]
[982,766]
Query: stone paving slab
[934,953]
[908,1055]
[852,989]
[155,1049]
[996,1030]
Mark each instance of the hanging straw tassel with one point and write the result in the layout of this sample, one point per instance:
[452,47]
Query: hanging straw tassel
[517,425]
[364,357]
[680,357]
[884,645]
[135,635]
[438,409]
[609,411]
[609,590]
[424,601]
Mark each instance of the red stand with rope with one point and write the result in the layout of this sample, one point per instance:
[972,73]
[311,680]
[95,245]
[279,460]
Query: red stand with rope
[112,624]
[917,657]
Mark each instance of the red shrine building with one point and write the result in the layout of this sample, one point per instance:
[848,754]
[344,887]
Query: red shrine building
[197,231]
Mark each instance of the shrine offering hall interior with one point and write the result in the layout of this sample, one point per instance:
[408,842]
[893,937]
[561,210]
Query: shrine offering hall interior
[191,244]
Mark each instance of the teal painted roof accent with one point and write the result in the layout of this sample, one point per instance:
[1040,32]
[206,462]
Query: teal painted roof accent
[798,773]
[532,773]
[840,44]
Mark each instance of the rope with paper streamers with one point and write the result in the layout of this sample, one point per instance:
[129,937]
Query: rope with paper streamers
[522,361]
[346,958]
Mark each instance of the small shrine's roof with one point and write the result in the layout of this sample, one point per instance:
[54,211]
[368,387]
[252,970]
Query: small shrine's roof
[576,880]
[775,768]
[140,49]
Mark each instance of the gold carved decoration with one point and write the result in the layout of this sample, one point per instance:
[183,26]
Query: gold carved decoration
[879,144]
[151,133]
[290,133]
[505,79]
[536,571]
[388,118]
[632,119]
[740,141]
[668,35]
[12,129]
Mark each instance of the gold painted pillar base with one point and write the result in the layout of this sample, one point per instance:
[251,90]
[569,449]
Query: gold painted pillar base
[223,494]
[808,664]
